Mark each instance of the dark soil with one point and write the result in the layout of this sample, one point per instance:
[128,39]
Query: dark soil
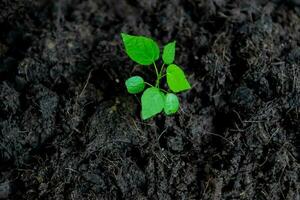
[69,130]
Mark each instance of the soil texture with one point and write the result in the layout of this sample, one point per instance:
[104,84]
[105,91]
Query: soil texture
[69,129]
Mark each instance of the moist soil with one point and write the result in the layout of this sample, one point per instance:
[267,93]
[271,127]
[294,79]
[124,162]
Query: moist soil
[69,129]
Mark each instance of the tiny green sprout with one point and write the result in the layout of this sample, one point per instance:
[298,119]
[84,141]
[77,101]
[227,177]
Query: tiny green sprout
[154,100]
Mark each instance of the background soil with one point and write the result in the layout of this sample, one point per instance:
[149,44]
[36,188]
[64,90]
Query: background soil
[69,130]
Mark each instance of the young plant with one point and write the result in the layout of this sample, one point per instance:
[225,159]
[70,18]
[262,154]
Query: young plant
[145,51]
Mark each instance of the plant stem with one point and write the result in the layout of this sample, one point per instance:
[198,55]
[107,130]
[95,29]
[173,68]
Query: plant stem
[162,76]
[149,84]
[157,75]
[161,70]
[153,86]
[163,90]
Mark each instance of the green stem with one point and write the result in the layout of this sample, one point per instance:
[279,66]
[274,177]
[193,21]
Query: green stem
[161,70]
[149,84]
[163,90]
[153,86]
[157,75]
[162,76]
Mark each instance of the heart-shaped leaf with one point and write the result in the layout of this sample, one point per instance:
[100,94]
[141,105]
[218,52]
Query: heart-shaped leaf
[169,53]
[140,49]
[176,79]
[153,101]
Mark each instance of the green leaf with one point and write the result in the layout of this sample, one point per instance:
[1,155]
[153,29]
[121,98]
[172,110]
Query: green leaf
[176,79]
[169,53]
[171,104]
[135,84]
[153,101]
[140,49]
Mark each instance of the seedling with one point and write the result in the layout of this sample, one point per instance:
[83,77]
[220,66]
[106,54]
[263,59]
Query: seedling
[154,100]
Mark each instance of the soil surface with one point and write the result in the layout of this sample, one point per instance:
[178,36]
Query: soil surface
[69,129]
